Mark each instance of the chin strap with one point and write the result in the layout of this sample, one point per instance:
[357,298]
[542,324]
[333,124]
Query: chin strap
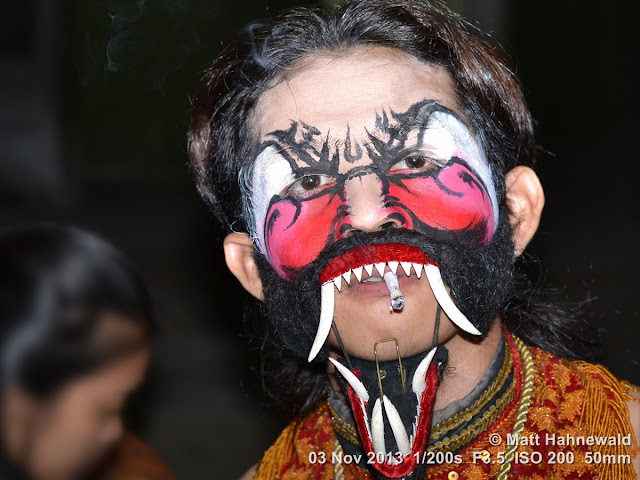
[436,328]
[344,350]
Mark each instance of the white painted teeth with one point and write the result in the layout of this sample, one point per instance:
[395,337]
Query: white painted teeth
[399,432]
[379,269]
[417,268]
[445,301]
[406,266]
[358,273]
[350,377]
[327,301]
[418,384]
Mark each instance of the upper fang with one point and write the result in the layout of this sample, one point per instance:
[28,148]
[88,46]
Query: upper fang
[358,273]
[418,269]
[406,266]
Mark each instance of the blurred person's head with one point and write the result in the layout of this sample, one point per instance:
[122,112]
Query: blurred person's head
[75,334]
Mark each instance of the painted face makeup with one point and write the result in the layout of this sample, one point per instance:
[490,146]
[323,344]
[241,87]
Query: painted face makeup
[427,174]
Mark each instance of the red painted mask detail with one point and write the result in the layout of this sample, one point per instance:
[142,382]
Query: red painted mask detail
[454,200]
[297,231]
[451,199]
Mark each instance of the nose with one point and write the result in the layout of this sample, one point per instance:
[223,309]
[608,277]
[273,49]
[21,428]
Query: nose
[366,203]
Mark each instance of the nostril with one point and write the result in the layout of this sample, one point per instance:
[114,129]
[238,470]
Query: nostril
[397,219]
[388,225]
[345,230]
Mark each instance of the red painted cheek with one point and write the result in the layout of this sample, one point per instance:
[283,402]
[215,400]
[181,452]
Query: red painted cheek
[296,232]
[454,200]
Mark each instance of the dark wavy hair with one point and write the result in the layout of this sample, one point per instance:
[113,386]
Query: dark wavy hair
[58,284]
[222,142]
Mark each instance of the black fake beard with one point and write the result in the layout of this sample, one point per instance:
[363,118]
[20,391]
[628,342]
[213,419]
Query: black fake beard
[481,281]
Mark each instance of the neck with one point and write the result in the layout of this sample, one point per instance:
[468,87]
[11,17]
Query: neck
[468,362]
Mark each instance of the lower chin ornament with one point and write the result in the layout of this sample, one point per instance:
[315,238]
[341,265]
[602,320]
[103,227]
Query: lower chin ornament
[392,403]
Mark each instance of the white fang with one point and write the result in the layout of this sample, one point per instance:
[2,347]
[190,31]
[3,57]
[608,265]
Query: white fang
[399,432]
[349,376]
[406,266]
[445,301]
[380,268]
[369,268]
[327,301]
[347,277]
[358,273]
[393,266]
[377,428]
[418,269]
[418,384]
[338,282]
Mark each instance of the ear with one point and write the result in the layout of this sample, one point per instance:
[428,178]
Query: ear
[238,252]
[525,200]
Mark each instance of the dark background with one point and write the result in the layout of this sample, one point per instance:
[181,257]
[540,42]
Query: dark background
[94,101]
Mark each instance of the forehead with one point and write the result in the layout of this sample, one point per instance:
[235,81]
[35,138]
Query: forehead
[330,91]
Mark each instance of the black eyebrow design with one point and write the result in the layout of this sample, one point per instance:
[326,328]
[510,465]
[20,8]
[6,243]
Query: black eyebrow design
[311,149]
[347,148]
[388,140]
[322,155]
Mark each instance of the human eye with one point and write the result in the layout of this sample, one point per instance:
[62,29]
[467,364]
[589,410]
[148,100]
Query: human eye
[308,184]
[417,163]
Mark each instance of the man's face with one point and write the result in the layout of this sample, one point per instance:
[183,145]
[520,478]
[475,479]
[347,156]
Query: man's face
[361,142]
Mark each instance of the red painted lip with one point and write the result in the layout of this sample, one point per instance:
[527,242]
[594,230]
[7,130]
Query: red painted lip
[373,253]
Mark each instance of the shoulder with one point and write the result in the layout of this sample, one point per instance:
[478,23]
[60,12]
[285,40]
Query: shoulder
[613,406]
[134,459]
[249,474]
[290,452]
[592,380]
